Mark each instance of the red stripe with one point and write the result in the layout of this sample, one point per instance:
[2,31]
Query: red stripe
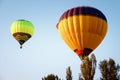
[86,51]
[57,26]
[79,52]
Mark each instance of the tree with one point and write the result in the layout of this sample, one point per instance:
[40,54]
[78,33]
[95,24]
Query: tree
[51,77]
[80,77]
[88,67]
[68,74]
[109,70]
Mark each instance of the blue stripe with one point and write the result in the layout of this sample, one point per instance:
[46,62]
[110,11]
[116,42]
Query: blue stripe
[83,11]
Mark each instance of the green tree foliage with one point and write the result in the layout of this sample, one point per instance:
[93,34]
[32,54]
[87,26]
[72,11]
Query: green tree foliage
[88,67]
[109,70]
[68,74]
[51,77]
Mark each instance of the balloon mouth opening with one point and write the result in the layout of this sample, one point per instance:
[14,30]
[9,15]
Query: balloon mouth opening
[21,37]
[83,53]
[20,46]
[21,42]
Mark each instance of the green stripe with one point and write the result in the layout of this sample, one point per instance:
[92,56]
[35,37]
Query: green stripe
[25,22]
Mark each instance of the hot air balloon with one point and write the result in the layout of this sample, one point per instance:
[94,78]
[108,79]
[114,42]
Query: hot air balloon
[82,28]
[22,30]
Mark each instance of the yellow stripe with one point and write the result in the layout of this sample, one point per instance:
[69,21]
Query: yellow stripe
[81,32]
[16,27]
[65,33]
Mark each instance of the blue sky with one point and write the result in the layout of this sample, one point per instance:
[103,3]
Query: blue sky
[46,52]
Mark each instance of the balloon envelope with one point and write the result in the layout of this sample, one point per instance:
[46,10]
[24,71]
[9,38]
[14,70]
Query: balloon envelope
[83,29]
[22,30]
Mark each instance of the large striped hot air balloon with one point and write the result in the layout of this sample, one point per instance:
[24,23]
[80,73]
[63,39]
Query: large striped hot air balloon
[83,29]
[22,30]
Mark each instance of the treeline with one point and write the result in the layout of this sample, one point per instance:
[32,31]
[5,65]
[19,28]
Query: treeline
[108,68]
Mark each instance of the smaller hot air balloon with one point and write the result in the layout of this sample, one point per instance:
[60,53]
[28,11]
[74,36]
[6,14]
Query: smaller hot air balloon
[22,30]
